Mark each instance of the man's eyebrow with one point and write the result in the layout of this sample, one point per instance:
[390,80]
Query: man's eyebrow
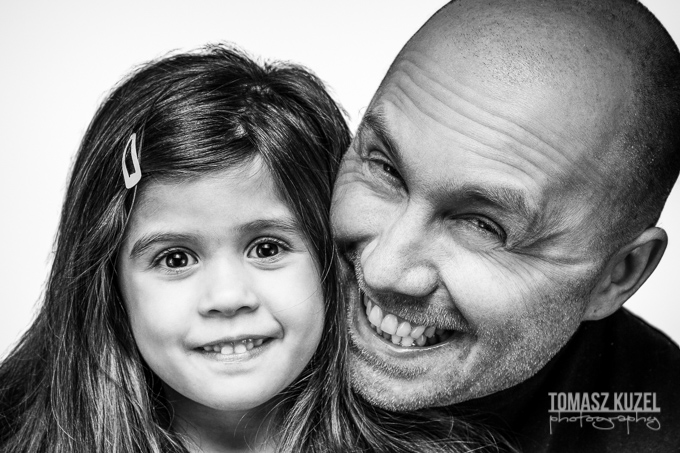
[375,122]
[142,244]
[507,198]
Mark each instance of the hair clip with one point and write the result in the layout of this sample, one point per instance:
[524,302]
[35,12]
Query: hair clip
[131,180]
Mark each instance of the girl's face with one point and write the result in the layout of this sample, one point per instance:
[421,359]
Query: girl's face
[222,293]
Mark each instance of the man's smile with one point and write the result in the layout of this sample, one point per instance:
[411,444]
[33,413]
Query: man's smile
[371,328]
[398,330]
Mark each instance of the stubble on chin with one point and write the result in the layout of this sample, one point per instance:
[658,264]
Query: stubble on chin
[513,352]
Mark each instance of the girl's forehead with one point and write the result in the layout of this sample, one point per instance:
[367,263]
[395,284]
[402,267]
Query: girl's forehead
[227,200]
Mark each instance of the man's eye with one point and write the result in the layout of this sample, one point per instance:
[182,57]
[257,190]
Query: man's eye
[378,164]
[488,226]
[390,170]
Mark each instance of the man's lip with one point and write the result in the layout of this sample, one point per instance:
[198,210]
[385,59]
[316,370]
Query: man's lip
[368,335]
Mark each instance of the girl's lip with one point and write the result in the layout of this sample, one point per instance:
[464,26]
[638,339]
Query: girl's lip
[237,339]
[239,351]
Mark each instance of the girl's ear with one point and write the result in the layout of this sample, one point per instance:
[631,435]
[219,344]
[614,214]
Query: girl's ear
[626,271]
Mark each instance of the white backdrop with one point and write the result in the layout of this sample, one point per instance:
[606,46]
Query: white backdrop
[60,58]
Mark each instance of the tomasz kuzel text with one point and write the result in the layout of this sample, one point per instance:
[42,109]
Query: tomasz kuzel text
[604,410]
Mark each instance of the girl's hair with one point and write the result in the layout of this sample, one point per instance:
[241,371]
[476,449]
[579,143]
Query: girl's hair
[76,381]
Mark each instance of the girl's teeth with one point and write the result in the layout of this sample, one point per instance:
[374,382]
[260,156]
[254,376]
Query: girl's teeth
[240,348]
[401,332]
[234,347]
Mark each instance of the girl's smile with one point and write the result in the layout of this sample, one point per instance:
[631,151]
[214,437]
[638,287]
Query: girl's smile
[222,293]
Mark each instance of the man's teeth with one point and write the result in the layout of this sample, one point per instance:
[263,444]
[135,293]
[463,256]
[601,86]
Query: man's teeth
[400,331]
[234,347]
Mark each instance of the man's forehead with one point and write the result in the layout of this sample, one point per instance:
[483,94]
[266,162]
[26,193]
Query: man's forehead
[451,176]
[447,127]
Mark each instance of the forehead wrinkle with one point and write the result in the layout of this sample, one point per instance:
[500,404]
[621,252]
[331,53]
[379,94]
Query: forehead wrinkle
[494,158]
[424,72]
[420,70]
[538,227]
[546,225]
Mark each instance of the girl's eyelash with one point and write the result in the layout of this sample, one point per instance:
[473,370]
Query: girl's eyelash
[157,262]
[269,256]
[265,239]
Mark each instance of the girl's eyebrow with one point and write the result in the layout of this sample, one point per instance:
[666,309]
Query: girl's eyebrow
[285,225]
[146,241]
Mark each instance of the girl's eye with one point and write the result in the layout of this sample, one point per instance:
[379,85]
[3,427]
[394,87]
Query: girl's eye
[266,250]
[177,259]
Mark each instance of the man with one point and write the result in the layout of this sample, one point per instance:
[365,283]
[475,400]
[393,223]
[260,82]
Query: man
[498,206]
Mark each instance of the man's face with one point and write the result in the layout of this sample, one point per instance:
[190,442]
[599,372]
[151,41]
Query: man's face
[460,211]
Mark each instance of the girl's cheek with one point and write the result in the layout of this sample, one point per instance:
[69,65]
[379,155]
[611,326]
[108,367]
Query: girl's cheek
[159,307]
[294,294]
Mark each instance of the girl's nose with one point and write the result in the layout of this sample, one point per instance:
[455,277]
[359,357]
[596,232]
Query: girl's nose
[229,291]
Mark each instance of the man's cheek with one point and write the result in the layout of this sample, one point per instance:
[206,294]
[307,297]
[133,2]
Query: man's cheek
[348,174]
[485,288]
[357,215]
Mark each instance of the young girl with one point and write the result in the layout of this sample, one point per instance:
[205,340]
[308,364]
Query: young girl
[193,304]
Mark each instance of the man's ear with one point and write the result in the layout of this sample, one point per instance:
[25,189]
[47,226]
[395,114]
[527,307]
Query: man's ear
[625,272]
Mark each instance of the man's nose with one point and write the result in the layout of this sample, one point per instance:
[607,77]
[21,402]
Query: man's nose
[399,258]
[228,290]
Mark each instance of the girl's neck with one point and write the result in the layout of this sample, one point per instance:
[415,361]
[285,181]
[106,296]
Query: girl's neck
[207,430]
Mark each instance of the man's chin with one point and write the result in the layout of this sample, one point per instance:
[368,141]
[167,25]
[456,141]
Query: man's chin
[394,393]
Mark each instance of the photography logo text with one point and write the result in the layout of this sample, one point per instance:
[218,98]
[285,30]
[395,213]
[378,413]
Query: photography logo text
[605,410]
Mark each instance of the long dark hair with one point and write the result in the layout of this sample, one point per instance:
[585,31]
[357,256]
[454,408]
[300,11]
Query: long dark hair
[76,381]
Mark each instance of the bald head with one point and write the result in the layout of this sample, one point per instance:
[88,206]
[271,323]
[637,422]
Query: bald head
[616,62]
